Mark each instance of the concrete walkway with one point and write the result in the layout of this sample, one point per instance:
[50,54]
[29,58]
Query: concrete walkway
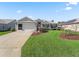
[11,44]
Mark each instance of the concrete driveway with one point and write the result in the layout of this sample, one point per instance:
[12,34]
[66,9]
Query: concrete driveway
[11,44]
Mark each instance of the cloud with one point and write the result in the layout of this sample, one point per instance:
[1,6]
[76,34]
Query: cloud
[67,4]
[19,11]
[71,3]
[68,8]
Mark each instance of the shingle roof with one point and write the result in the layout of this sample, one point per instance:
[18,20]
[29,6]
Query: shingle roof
[46,22]
[43,21]
[39,20]
[25,19]
[74,21]
[5,21]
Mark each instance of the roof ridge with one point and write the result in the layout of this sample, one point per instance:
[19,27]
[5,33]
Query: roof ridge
[26,19]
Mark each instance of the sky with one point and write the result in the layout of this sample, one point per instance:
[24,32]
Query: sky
[57,11]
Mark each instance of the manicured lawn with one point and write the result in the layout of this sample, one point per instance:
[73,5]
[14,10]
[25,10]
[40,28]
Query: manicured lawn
[50,44]
[6,32]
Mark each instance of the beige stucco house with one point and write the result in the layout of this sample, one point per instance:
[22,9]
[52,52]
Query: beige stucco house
[71,25]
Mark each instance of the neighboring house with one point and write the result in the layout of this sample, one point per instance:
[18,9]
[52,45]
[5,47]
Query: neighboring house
[7,24]
[40,24]
[26,23]
[71,25]
[43,24]
[54,26]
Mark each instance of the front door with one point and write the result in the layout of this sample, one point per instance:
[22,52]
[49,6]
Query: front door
[19,26]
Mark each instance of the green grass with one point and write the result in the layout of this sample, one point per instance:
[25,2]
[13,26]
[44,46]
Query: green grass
[6,32]
[50,44]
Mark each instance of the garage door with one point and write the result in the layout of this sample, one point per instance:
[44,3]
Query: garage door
[29,25]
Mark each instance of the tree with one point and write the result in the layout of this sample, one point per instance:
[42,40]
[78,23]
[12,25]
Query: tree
[52,20]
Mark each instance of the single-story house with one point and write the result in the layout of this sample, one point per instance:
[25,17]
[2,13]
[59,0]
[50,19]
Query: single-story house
[40,24]
[26,23]
[71,25]
[7,24]
[43,24]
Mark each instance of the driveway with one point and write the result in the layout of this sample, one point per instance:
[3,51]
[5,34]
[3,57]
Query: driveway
[11,44]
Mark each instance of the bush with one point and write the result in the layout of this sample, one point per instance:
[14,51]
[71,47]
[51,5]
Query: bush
[70,32]
[44,30]
[8,29]
[13,30]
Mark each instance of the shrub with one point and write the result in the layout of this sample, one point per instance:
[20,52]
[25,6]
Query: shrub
[13,30]
[44,30]
[70,32]
[8,29]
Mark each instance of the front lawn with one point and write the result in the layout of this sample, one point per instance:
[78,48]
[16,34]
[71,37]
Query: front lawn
[50,44]
[6,32]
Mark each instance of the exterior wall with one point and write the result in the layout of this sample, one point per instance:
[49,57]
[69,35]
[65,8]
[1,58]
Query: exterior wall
[10,25]
[73,27]
[77,27]
[50,26]
[66,26]
[28,25]
[2,27]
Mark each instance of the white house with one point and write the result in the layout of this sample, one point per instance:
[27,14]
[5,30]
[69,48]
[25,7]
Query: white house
[26,24]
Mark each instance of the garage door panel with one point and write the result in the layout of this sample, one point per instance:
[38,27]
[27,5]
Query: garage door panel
[29,26]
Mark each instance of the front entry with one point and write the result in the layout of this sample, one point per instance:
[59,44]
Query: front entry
[19,26]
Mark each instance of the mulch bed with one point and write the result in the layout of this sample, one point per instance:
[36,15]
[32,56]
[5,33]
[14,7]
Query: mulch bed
[36,33]
[69,36]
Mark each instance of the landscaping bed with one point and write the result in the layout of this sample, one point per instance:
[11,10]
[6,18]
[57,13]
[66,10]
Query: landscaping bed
[69,36]
[36,33]
[40,32]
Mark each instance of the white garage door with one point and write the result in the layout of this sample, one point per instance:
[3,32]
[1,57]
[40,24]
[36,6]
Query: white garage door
[28,25]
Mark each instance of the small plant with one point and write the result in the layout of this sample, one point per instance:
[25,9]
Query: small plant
[13,30]
[70,32]
[8,29]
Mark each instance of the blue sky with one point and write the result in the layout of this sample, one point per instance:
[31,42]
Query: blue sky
[57,11]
